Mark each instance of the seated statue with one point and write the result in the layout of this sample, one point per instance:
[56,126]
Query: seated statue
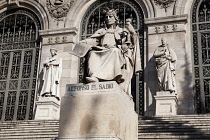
[113,53]
[165,58]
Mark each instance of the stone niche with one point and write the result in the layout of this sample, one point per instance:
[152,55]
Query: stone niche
[97,111]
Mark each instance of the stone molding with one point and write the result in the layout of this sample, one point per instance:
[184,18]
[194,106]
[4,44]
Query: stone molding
[33,5]
[13,2]
[166,24]
[167,19]
[59,11]
[58,36]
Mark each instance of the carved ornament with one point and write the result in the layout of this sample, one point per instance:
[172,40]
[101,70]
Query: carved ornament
[59,9]
[164,3]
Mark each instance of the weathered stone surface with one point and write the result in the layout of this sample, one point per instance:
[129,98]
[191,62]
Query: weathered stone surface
[47,108]
[97,110]
[166,103]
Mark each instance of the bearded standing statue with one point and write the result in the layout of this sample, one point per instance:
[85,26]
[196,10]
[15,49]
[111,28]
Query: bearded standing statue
[113,53]
[165,59]
[51,75]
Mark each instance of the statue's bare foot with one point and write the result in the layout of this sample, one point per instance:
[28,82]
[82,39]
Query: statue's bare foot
[92,79]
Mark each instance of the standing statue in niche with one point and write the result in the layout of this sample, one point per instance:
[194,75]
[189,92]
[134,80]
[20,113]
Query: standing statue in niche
[112,53]
[51,75]
[165,59]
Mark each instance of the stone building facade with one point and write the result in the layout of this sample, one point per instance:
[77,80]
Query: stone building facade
[29,28]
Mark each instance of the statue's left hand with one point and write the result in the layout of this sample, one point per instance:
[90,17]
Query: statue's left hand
[129,26]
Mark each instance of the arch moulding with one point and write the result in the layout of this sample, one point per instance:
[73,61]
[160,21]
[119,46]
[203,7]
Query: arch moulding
[31,5]
[80,7]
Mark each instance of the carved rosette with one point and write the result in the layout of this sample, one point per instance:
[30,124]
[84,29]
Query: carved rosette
[164,3]
[59,9]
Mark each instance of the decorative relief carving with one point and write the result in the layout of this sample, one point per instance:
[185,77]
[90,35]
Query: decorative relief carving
[157,29]
[164,3]
[58,9]
[174,27]
[57,39]
[13,2]
[167,28]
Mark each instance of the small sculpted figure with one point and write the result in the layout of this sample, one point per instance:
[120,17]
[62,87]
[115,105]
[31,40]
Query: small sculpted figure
[113,53]
[51,75]
[165,58]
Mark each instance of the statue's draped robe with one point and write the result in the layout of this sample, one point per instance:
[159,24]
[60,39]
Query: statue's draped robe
[51,77]
[112,64]
[166,68]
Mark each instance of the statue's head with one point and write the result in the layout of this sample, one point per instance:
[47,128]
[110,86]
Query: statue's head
[111,16]
[163,41]
[53,51]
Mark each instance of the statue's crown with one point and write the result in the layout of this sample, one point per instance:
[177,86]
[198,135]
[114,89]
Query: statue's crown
[112,12]
[108,11]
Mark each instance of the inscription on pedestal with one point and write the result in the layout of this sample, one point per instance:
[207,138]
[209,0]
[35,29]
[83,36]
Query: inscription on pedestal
[101,86]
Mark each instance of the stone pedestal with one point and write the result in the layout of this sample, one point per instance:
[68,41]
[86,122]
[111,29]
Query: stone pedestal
[47,108]
[97,111]
[166,103]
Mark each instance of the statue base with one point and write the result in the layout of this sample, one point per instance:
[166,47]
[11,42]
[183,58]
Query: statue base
[97,111]
[47,108]
[166,103]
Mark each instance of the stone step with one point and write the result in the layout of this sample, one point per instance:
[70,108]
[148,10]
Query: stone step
[173,118]
[30,133]
[176,119]
[27,129]
[174,125]
[175,135]
[180,127]
[157,130]
[31,137]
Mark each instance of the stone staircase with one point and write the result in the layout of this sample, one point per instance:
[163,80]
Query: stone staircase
[29,130]
[191,127]
[181,127]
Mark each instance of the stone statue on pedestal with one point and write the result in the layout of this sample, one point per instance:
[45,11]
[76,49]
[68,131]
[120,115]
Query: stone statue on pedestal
[165,59]
[113,53]
[51,75]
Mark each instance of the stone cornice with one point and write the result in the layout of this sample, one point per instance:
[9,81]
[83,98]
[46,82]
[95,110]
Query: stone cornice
[58,31]
[58,36]
[166,20]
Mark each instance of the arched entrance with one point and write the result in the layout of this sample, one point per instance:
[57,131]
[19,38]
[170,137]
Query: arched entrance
[93,20]
[201,53]
[19,55]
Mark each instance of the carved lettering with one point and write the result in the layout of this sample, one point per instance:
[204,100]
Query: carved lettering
[90,87]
